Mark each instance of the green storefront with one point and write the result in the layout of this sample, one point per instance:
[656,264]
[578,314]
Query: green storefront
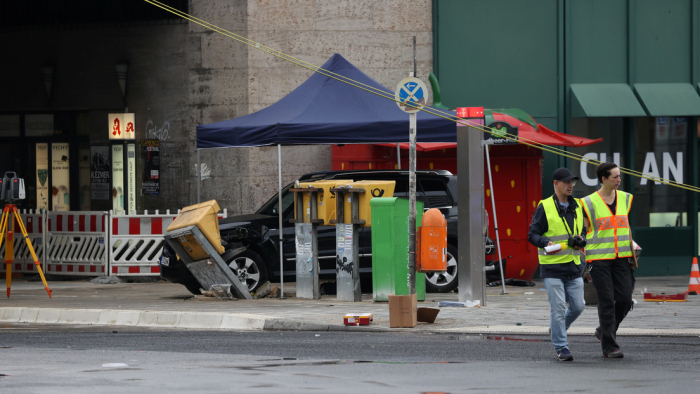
[627,71]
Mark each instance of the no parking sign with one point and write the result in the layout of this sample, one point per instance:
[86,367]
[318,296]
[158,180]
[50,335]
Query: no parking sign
[411,91]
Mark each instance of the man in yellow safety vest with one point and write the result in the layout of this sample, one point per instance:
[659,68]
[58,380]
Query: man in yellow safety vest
[557,225]
[609,249]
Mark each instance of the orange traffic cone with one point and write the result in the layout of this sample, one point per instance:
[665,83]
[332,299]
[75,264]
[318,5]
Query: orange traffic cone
[694,286]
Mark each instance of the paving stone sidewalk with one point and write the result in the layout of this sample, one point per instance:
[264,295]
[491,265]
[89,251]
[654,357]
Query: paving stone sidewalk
[523,310]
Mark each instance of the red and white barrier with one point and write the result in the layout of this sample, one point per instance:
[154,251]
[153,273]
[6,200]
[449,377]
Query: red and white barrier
[23,261]
[136,243]
[77,243]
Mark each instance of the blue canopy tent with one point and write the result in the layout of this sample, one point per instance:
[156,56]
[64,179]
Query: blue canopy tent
[323,110]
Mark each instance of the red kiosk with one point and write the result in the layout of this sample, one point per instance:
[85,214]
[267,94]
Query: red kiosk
[516,170]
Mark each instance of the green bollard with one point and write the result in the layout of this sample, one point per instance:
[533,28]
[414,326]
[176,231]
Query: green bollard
[390,248]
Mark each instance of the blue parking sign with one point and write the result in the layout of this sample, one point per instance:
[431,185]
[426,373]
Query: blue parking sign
[411,95]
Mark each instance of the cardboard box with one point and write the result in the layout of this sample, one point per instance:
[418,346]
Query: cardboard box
[403,311]
[358,319]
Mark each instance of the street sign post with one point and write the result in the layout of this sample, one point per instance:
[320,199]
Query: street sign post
[411,95]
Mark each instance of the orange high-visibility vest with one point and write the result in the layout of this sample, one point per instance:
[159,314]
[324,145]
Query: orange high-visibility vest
[609,235]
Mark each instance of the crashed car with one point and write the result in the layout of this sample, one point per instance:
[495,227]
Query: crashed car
[259,234]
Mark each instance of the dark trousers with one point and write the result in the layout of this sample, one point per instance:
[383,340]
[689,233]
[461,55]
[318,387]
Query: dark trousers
[614,282]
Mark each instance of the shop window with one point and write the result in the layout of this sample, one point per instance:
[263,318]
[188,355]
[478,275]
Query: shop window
[611,130]
[84,177]
[661,150]
[9,125]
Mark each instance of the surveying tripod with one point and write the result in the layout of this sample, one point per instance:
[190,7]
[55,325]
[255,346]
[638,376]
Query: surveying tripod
[7,226]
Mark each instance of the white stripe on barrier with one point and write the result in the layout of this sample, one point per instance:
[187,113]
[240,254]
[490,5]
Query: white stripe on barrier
[76,243]
[136,243]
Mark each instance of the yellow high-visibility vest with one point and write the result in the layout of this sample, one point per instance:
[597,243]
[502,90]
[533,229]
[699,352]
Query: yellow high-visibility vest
[609,235]
[558,232]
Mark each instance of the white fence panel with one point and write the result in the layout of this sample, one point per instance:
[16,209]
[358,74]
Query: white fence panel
[136,243]
[77,243]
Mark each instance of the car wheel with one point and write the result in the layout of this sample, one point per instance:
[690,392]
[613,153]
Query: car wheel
[444,282]
[193,287]
[250,268]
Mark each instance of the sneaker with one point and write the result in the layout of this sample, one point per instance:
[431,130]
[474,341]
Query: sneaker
[564,355]
[598,334]
[614,354]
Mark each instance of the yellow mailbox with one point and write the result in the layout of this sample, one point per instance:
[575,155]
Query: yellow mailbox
[325,200]
[205,217]
[372,189]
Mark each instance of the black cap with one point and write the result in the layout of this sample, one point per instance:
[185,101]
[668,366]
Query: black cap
[563,174]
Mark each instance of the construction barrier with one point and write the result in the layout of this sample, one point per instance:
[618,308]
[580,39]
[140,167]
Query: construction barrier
[23,261]
[76,243]
[136,242]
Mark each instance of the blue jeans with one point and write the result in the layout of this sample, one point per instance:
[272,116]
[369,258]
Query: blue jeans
[561,291]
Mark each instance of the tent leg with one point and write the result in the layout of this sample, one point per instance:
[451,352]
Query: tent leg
[199,177]
[279,204]
[495,219]
[398,155]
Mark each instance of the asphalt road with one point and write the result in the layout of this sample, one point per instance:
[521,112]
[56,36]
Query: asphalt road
[44,359]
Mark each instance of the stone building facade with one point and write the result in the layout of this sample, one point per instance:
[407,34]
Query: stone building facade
[182,74]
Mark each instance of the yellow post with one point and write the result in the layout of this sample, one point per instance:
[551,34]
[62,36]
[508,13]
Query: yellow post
[3,223]
[9,252]
[31,250]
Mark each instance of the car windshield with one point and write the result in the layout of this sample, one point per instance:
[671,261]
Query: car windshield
[271,207]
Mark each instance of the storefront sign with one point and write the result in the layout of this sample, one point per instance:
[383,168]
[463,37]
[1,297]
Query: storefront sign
[38,125]
[60,177]
[590,169]
[670,168]
[99,173]
[150,177]
[131,175]
[42,176]
[118,179]
[502,129]
[121,126]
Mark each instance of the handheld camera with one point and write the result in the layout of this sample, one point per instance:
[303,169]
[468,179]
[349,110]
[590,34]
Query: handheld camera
[576,242]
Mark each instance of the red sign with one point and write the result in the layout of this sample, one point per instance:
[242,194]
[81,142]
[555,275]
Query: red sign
[470,112]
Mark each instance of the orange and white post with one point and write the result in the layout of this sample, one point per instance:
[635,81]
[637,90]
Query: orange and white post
[694,285]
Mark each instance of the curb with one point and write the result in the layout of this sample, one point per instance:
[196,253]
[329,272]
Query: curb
[245,322]
[163,319]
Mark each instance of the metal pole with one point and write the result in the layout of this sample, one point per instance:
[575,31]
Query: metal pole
[495,220]
[415,67]
[470,165]
[398,155]
[281,233]
[199,177]
[412,205]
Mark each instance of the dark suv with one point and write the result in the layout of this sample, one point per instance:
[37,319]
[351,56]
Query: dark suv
[259,233]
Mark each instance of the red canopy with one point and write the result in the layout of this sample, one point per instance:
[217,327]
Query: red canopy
[526,132]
